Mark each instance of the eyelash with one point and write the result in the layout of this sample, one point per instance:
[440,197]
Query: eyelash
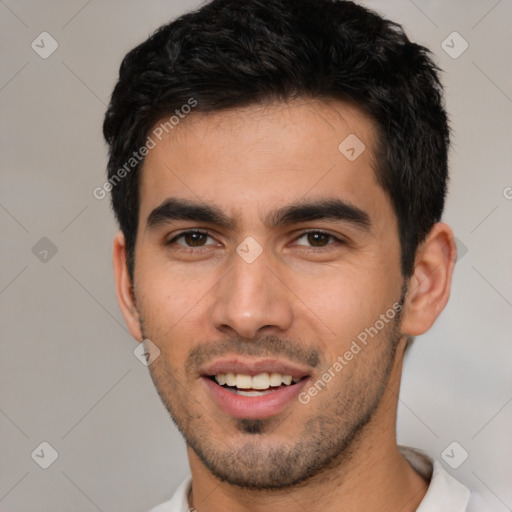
[208,234]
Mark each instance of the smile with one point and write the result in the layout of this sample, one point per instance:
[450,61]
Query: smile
[259,396]
[257,385]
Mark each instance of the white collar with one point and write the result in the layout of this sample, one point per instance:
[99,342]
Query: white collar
[444,492]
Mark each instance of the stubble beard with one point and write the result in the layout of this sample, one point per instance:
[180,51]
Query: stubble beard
[266,460]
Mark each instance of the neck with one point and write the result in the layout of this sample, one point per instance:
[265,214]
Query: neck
[370,473]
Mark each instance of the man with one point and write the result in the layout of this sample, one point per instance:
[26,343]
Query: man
[278,170]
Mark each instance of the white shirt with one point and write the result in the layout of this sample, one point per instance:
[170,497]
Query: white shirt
[444,494]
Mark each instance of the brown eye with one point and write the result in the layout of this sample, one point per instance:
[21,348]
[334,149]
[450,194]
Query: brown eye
[317,239]
[191,239]
[195,239]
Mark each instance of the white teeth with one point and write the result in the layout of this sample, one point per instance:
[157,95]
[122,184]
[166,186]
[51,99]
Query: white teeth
[287,379]
[260,381]
[275,379]
[243,381]
[230,379]
[252,393]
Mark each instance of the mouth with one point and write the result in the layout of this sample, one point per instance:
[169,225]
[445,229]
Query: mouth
[258,385]
[254,390]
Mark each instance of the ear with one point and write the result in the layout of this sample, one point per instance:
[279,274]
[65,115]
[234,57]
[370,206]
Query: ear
[429,286]
[124,290]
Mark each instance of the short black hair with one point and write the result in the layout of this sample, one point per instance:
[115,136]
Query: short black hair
[232,53]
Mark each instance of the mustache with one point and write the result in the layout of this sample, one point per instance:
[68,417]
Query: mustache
[265,346]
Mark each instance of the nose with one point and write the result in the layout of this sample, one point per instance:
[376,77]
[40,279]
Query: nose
[252,298]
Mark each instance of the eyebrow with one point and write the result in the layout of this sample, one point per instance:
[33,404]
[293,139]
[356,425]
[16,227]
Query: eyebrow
[174,209]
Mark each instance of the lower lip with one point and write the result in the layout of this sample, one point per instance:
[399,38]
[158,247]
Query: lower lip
[254,407]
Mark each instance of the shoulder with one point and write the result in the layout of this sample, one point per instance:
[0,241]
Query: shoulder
[445,493]
[477,503]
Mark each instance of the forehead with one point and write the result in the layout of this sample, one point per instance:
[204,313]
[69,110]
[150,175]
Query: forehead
[247,159]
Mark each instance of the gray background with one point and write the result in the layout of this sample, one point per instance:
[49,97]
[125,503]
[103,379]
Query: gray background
[68,375]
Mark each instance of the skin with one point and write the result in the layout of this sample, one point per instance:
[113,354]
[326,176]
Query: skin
[198,296]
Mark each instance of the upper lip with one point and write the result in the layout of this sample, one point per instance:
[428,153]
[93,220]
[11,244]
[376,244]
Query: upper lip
[253,367]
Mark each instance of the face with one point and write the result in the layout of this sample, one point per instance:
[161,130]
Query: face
[267,273]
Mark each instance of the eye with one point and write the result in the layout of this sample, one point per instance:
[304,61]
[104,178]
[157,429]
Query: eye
[190,239]
[317,239]
[197,239]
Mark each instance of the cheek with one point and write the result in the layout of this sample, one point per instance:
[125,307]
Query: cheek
[345,300]
[167,303]
[169,291]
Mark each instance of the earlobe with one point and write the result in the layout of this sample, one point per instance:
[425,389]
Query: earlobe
[429,286]
[124,290]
